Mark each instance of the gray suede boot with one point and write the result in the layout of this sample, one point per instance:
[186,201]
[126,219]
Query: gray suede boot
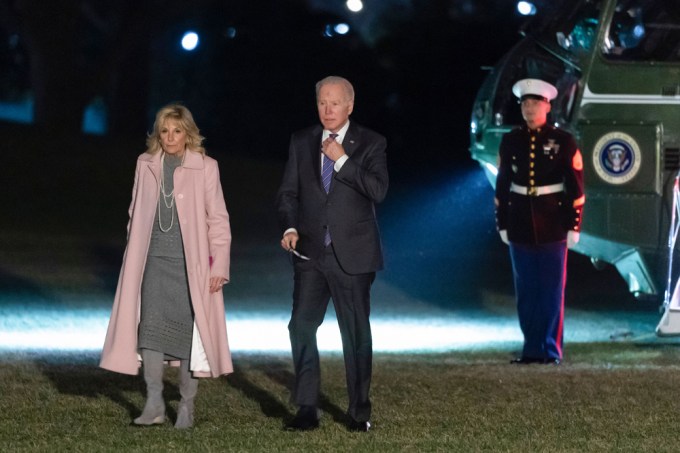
[188,386]
[154,409]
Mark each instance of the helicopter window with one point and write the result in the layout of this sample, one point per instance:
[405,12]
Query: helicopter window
[644,30]
[578,30]
[580,38]
[534,62]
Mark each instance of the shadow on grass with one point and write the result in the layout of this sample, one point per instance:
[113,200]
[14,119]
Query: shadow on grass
[278,372]
[92,382]
[268,403]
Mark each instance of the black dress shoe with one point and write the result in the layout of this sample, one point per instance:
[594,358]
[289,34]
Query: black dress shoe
[525,360]
[362,427]
[306,419]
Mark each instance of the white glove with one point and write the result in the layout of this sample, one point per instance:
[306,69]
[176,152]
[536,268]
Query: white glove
[572,238]
[504,236]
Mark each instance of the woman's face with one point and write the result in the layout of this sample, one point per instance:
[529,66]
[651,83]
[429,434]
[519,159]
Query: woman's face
[173,137]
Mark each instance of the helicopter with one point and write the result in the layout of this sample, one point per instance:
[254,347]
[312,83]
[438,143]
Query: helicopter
[616,66]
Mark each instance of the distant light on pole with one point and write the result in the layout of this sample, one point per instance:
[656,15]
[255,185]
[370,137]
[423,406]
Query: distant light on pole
[189,41]
[355,5]
[230,32]
[333,30]
[526,8]
[341,29]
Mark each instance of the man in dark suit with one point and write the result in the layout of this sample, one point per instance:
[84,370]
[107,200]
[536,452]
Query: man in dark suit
[335,174]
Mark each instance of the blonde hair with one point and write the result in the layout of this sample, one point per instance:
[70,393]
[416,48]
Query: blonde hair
[186,121]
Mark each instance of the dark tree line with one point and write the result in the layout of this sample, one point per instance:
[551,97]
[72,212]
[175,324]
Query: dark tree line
[413,76]
[80,49]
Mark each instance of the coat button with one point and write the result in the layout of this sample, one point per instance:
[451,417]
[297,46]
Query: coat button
[180,196]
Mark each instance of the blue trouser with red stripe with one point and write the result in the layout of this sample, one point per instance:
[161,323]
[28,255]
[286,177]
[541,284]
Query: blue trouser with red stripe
[540,273]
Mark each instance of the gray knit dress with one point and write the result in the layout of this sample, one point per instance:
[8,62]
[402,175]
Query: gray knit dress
[167,318]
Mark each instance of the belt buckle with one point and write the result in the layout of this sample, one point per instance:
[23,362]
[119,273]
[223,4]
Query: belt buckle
[532,191]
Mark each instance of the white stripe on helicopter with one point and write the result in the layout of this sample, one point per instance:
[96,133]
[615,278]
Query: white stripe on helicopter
[592,98]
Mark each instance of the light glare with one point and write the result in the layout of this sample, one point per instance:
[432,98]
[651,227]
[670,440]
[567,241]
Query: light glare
[526,8]
[491,168]
[84,330]
[342,29]
[355,5]
[190,41]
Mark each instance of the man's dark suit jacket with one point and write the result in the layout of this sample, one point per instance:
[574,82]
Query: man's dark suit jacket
[348,210]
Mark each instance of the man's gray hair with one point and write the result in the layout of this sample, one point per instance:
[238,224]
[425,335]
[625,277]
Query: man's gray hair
[336,80]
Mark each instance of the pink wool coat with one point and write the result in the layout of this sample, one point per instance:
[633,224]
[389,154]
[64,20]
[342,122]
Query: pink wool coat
[206,235]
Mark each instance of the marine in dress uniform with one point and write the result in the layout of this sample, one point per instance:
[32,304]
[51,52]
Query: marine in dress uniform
[539,202]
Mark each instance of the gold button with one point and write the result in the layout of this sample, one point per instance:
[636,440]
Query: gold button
[531,164]
[533,146]
[531,173]
[532,155]
[531,182]
[533,139]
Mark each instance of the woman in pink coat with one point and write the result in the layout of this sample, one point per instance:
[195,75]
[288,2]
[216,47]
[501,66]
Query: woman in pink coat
[169,305]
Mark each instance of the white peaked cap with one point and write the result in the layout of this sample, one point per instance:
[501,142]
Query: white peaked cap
[534,87]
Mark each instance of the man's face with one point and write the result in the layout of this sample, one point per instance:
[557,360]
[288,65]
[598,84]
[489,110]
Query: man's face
[535,112]
[334,106]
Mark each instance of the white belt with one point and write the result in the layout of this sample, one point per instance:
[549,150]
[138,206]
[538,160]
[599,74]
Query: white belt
[537,191]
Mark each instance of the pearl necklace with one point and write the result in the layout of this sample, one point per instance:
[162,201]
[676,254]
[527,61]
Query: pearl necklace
[166,196]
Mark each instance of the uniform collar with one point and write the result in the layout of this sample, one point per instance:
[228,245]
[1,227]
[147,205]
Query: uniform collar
[538,130]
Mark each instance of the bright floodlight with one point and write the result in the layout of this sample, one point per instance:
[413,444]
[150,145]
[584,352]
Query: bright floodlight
[355,5]
[341,29]
[526,8]
[189,41]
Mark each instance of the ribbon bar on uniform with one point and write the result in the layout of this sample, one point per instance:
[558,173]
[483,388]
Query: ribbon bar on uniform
[537,191]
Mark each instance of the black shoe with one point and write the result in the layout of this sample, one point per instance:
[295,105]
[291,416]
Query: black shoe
[306,419]
[362,427]
[526,360]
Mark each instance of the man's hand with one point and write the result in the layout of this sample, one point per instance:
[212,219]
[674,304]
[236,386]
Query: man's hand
[332,149]
[289,241]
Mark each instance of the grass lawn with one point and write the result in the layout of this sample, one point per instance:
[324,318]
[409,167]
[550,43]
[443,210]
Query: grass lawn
[61,245]
[606,397]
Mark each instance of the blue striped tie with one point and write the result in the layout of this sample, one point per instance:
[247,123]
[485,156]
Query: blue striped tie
[327,170]
[326,176]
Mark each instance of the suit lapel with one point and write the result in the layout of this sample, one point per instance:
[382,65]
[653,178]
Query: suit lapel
[351,139]
[315,147]
[349,143]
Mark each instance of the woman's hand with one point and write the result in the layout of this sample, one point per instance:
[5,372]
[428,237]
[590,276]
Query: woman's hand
[216,283]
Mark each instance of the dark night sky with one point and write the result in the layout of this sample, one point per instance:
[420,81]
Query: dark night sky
[415,65]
